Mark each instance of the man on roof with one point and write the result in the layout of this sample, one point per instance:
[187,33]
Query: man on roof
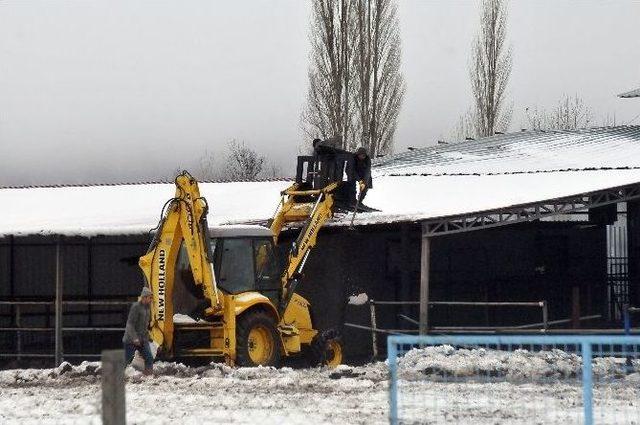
[362,173]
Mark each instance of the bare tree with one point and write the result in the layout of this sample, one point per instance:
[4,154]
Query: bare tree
[272,171]
[172,175]
[570,113]
[243,163]
[355,85]
[609,120]
[490,69]
[206,167]
[380,85]
[537,118]
[464,128]
[328,112]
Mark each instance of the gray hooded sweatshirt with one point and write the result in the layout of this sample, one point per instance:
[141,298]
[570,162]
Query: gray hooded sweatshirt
[137,323]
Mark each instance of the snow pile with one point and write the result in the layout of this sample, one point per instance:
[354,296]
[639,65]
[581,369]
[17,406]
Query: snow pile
[184,318]
[359,299]
[64,372]
[215,393]
[519,365]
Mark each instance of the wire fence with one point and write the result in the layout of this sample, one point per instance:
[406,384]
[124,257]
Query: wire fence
[32,333]
[514,379]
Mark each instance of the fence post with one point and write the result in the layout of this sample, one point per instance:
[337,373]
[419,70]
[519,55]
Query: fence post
[545,315]
[113,394]
[587,383]
[58,306]
[392,356]
[374,329]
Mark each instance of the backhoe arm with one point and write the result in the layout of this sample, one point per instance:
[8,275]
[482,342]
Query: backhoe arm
[314,207]
[183,222]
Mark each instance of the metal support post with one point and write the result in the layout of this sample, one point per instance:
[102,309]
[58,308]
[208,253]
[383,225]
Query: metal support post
[587,383]
[113,393]
[392,356]
[424,283]
[18,333]
[58,310]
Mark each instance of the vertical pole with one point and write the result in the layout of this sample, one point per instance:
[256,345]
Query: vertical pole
[113,394]
[19,334]
[392,354]
[58,311]
[587,383]
[405,264]
[424,283]
[12,291]
[374,329]
[575,307]
[12,268]
[89,282]
[626,319]
[633,253]
[545,315]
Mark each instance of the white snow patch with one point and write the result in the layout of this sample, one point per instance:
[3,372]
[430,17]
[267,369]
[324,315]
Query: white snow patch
[359,299]
[347,394]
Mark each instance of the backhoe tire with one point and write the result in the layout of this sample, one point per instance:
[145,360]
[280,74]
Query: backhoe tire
[326,349]
[257,340]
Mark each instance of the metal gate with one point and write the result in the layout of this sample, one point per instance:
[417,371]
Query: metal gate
[617,270]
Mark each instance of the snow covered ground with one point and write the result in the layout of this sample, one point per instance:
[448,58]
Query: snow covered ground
[438,384]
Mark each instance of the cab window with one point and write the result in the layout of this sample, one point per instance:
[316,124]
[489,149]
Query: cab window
[236,266]
[267,273]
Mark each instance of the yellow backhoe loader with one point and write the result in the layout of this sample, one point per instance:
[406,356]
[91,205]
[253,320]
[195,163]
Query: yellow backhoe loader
[219,292]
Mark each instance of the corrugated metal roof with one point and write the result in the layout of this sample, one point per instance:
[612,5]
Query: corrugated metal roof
[632,93]
[423,184]
[528,151]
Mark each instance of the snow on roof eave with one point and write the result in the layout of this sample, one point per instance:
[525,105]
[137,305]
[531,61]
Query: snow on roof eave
[362,219]
[630,94]
[252,229]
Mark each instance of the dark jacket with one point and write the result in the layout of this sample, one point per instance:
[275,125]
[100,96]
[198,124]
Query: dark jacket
[329,147]
[362,170]
[137,323]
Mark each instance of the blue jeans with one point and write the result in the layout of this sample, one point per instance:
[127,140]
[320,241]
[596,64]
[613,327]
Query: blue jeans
[144,349]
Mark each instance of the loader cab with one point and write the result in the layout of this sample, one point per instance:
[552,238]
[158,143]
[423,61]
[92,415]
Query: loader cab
[245,260]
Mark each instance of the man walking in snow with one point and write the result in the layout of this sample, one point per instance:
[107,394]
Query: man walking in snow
[136,333]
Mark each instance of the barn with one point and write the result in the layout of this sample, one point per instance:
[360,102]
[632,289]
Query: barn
[534,230]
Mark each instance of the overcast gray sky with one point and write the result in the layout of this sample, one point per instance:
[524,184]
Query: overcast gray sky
[109,90]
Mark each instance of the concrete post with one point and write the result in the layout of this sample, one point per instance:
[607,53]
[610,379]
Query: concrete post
[113,393]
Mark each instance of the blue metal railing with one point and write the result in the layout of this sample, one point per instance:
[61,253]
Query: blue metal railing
[584,343]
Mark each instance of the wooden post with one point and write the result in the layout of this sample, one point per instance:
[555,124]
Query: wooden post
[374,329]
[58,310]
[424,284]
[113,394]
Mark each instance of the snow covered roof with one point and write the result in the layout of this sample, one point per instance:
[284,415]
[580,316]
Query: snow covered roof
[632,93]
[434,182]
